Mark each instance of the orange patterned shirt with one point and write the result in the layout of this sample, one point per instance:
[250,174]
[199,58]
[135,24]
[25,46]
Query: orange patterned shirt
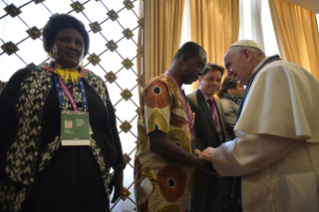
[163,108]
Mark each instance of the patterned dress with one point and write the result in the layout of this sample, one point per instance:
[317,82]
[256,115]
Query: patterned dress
[163,108]
[37,173]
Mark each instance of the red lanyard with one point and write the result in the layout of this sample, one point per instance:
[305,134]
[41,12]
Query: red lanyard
[190,120]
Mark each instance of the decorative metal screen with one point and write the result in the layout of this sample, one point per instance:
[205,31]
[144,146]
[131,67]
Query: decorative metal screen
[113,29]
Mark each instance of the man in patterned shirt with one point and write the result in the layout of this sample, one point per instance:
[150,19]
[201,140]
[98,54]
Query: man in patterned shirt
[164,163]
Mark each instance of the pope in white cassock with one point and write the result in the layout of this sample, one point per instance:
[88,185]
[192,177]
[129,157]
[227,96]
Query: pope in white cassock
[277,146]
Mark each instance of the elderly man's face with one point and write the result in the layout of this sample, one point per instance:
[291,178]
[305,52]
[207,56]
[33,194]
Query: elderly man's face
[237,66]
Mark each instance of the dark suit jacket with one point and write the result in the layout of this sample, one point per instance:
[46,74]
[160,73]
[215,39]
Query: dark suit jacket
[206,194]
[206,134]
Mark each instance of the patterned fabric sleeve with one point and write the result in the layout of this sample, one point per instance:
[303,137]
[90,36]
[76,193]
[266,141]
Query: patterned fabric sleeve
[157,107]
[8,131]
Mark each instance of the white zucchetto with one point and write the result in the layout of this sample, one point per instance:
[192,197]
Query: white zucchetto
[246,43]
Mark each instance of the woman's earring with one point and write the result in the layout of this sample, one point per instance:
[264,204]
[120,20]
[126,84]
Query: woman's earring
[52,62]
[50,54]
[82,64]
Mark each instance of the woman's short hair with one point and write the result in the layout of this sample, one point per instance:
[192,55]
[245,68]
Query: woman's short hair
[229,82]
[59,22]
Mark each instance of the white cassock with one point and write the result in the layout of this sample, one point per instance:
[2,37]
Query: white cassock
[277,146]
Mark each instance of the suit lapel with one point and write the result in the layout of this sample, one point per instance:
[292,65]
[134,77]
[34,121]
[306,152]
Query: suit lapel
[203,107]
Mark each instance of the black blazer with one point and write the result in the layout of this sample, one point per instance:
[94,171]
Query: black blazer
[206,134]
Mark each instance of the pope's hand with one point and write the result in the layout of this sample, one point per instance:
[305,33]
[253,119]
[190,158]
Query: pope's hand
[207,153]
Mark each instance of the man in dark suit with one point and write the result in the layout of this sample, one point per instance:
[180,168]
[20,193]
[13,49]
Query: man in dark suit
[210,131]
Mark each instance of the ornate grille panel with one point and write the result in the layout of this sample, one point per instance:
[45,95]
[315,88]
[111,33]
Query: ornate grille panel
[113,29]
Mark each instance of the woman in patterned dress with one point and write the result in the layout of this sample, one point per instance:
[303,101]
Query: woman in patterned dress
[37,173]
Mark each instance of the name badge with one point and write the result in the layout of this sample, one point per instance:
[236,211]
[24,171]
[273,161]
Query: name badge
[75,129]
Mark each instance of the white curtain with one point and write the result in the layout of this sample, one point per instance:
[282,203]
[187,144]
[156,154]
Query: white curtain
[250,27]
[256,25]
[243,33]
[270,42]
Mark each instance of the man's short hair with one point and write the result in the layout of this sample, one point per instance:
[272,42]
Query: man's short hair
[239,49]
[229,82]
[212,66]
[190,48]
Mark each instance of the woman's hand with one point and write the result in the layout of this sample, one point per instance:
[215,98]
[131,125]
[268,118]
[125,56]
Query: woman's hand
[117,183]
[207,153]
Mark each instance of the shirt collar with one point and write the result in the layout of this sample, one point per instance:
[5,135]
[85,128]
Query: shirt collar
[205,96]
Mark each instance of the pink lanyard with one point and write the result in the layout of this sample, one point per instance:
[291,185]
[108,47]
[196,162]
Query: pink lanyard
[190,120]
[68,94]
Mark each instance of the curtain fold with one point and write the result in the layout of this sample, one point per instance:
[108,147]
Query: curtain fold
[296,34]
[241,33]
[162,35]
[256,25]
[214,26]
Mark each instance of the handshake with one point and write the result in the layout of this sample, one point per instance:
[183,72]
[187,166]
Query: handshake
[206,158]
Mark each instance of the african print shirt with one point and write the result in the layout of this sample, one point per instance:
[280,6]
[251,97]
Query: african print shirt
[163,108]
